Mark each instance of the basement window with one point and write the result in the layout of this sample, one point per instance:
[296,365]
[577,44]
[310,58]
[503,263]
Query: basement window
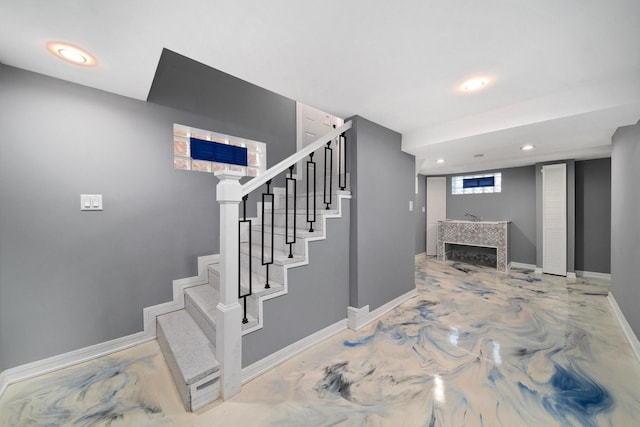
[477,184]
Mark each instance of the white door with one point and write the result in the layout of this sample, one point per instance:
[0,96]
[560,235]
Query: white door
[311,124]
[554,219]
[436,209]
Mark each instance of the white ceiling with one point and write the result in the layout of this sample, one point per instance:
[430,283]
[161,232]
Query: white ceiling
[565,73]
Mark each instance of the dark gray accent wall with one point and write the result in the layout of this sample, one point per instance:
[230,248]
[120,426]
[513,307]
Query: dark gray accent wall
[318,295]
[421,217]
[593,215]
[625,227]
[516,203]
[571,213]
[382,227]
[70,279]
[247,110]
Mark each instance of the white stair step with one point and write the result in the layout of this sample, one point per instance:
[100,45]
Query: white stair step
[281,231]
[280,256]
[258,281]
[190,357]
[201,302]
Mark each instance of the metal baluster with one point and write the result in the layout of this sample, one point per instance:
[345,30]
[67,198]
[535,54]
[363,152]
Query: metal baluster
[328,150]
[291,241]
[266,195]
[311,164]
[240,222]
[342,167]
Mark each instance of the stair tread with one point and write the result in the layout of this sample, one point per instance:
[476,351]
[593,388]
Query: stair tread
[191,349]
[206,298]
[300,232]
[258,282]
[279,256]
[304,211]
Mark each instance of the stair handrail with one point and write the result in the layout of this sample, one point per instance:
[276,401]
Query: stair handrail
[277,169]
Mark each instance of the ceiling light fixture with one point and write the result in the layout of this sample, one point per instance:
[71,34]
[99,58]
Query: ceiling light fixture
[474,84]
[527,147]
[440,161]
[71,54]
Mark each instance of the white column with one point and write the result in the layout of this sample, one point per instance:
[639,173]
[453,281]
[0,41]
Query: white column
[229,312]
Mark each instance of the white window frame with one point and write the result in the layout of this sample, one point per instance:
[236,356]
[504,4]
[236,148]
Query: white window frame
[457,184]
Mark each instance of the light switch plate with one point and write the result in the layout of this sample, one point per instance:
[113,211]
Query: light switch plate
[410,205]
[91,202]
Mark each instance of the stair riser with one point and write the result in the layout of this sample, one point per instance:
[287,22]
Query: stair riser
[276,273]
[279,243]
[301,221]
[301,202]
[207,328]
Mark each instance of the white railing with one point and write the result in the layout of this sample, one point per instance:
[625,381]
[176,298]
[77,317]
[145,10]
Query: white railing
[229,194]
[276,170]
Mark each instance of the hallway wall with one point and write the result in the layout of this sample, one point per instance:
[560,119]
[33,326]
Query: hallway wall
[625,227]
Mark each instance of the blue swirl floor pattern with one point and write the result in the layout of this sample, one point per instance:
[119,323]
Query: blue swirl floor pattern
[474,348]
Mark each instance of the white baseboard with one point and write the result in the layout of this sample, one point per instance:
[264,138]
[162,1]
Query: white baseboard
[593,275]
[362,317]
[538,270]
[626,328]
[263,365]
[523,266]
[421,254]
[357,317]
[571,275]
[50,364]
[61,361]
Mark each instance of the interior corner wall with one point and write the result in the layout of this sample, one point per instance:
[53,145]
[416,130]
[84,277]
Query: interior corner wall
[382,242]
[515,203]
[419,208]
[571,212]
[71,279]
[625,227]
[593,215]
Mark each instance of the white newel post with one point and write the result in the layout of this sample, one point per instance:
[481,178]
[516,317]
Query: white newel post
[229,312]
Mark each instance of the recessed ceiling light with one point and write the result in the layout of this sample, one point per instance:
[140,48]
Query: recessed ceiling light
[440,161]
[72,54]
[474,84]
[527,147]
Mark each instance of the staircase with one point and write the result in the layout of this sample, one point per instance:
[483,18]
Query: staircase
[265,247]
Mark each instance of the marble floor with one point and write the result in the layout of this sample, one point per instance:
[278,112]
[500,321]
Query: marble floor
[474,348]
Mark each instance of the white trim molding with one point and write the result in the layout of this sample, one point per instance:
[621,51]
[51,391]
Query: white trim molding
[522,266]
[61,361]
[626,328]
[263,365]
[593,275]
[359,317]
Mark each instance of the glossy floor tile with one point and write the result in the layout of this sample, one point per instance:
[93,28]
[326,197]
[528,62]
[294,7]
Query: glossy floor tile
[475,348]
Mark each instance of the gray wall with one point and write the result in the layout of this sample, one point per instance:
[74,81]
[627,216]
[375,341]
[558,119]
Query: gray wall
[382,227]
[593,215]
[625,227]
[318,295]
[516,202]
[571,212]
[421,217]
[70,279]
